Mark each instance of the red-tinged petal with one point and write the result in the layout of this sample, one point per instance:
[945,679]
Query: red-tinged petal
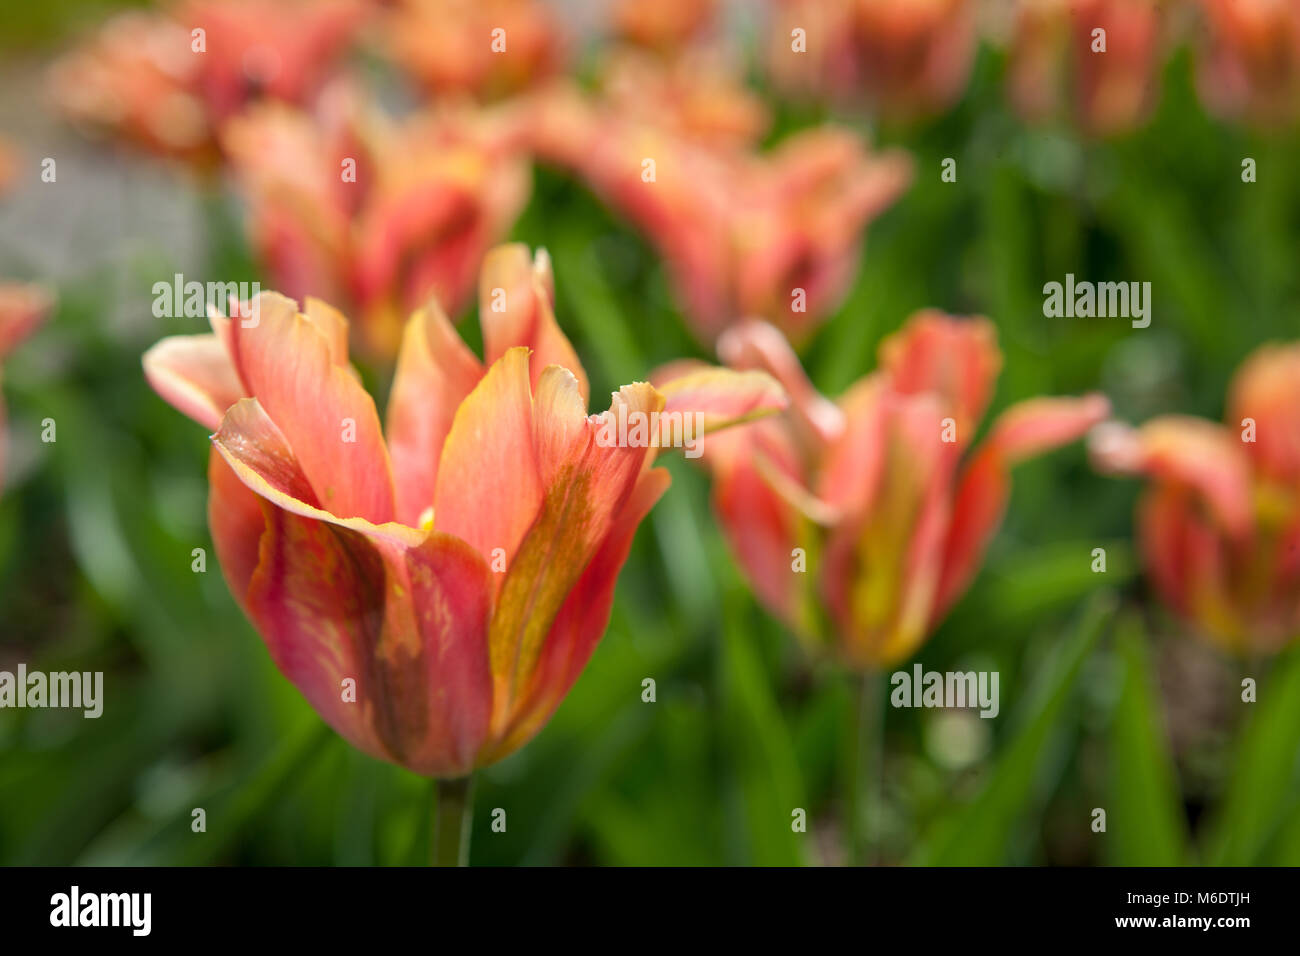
[260,456]
[762,526]
[882,569]
[978,507]
[516,296]
[956,359]
[712,399]
[581,621]
[404,615]
[236,521]
[754,344]
[1185,451]
[23,306]
[585,492]
[451,593]
[1023,430]
[1266,391]
[559,421]
[1040,424]
[324,412]
[194,374]
[435,371]
[317,599]
[853,463]
[489,488]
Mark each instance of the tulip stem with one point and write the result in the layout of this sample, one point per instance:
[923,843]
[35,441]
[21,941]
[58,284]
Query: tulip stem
[453,802]
[864,774]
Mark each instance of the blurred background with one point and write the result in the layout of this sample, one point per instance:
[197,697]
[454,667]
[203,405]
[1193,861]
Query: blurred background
[1106,701]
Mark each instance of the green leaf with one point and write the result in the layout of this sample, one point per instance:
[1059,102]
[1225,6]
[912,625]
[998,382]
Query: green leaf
[1262,786]
[979,833]
[1144,817]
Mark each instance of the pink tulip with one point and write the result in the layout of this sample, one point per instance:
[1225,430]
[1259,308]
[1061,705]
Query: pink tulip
[860,522]
[906,58]
[1250,63]
[1057,65]
[453,47]
[1219,525]
[157,82]
[23,307]
[457,565]
[377,214]
[774,235]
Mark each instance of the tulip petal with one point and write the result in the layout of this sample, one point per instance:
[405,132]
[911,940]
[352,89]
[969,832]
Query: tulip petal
[1186,451]
[757,345]
[574,516]
[715,398]
[957,359]
[488,485]
[260,456]
[236,520]
[194,374]
[435,371]
[326,415]
[516,295]
[581,621]
[23,306]
[1023,430]
[1266,392]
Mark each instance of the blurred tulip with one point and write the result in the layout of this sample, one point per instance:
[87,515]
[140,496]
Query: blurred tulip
[1250,65]
[459,565]
[454,47]
[157,82]
[23,307]
[1220,523]
[663,25]
[858,523]
[775,235]
[1056,56]
[907,58]
[373,213]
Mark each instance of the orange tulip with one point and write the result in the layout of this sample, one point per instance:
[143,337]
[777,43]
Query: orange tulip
[454,47]
[1220,524]
[23,307]
[373,213]
[775,235]
[1251,61]
[159,83]
[433,587]
[663,25]
[906,58]
[1056,56]
[859,522]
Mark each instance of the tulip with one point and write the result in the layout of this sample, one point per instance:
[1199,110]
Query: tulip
[483,49]
[456,566]
[663,25]
[1250,64]
[377,214]
[1055,57]
[906,58]
[156,82]
[1219,525]
[859,523]
[23,307]
[774,235]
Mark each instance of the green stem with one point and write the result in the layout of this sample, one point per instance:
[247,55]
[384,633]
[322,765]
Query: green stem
[863,776]
[453,802]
